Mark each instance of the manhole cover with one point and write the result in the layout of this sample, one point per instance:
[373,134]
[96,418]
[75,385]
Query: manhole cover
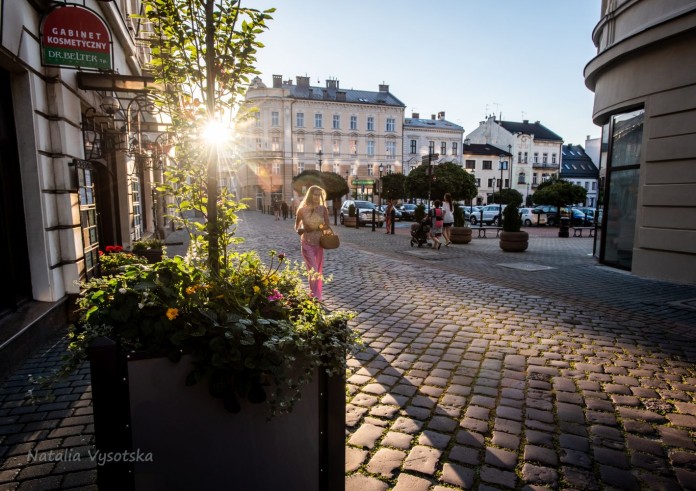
[525,266]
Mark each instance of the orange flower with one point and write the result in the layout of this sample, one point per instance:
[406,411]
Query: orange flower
[172,314]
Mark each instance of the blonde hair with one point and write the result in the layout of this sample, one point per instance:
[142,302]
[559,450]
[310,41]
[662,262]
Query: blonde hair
[308,196]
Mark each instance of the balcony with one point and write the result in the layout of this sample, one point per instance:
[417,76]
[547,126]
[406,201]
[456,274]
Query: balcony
[539,165]
[262,154]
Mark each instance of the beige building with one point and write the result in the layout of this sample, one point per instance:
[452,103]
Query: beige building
[293,127]
[423,137]
[644,82]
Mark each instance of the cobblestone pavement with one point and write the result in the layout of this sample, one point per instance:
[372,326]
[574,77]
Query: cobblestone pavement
[476,375]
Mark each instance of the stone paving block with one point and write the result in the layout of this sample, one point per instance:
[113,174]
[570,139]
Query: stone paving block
[686,408]
[505,440]
[676,437]
[408,482]
[632,413]
[354,458]
[649,462]
[364,400]
[686,478]
[383,411]
[470,438]
[419,413]
[358,482]
[385,461]
[434,439]
[394,400]
[610,457]
[595,404]
[683,420]
[542,438]
[442,423]
[680,458]
[574,442]
[496,476]
[474,425]
[398,440]
[620,478]
[366,436]
[601,418]
[570,412]
[638,444]
[579,478]
[458,475]
[569,397]
[539,475]
[534,453]
[483,401]
[498,457]
[510,413]
[422,459]
[466,455]
[576,458]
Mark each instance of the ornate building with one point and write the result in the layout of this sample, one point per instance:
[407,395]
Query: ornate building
[291,127]
[423,137]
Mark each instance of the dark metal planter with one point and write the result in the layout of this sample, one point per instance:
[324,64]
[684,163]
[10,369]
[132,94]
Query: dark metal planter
[142,407]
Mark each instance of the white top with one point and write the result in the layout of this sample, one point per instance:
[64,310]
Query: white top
[449,216]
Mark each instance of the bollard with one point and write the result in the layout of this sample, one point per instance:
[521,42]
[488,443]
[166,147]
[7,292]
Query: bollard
[393,219]
[373,219]
[564,229]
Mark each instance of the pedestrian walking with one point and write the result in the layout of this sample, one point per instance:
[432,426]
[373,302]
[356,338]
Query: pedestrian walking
[389,217]
[312,217]
[437,219]
[284,209]
[448,220]
[276,209]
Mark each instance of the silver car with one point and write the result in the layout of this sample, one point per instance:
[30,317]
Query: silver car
[364,209]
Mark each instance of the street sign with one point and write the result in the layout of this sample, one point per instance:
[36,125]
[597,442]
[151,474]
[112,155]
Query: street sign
[427,159]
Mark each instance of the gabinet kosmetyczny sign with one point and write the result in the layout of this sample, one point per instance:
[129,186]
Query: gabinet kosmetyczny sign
[74,36]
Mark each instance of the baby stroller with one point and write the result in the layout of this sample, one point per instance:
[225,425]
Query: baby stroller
[419,232]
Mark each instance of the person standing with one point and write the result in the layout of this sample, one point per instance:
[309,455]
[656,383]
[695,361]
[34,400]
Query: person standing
[437,220]
[312,217]
[448,220]
[276,209]
[389,212]
[284,210]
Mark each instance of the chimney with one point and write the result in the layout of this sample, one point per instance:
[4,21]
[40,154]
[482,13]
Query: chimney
[383,88]
[332,84]
[341,95]
[415,116]
[537,122]
[525,121]
[432,116]
[325,93]
[441,115]
[302,81]
[288,81]
[277,81]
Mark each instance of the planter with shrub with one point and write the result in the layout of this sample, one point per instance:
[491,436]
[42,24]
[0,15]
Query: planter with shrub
[512,238]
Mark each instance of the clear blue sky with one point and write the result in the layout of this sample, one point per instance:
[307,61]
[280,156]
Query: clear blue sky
[468,58]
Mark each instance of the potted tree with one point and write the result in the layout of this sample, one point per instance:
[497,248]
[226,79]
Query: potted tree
[461,233]
[350,220]
[512,238]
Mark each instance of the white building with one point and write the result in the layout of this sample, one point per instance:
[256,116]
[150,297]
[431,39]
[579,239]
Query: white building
[483,162]
[535,150]
[423,137]
[72,179]
[577,167]
[294,127]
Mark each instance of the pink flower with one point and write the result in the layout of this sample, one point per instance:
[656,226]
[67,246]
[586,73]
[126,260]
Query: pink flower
[275,295]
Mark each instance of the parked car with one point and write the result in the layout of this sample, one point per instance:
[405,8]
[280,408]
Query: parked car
[491,215]
[397,213]
[551,213]
[408,211]
[578,219]
[529,217]
[364,210]
[589,214]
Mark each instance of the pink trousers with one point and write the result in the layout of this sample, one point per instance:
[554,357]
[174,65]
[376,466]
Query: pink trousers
[314,260]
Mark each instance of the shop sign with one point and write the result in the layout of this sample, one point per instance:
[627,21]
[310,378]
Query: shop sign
[369,182]
[75,37]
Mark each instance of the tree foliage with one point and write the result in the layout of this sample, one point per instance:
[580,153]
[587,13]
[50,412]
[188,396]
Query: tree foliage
[507,197]
[334,185]
[559,193]
[447,178]
[394,186]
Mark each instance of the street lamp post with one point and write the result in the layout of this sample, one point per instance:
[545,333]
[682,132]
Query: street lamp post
[381,184]
[500,186]
[320,153]
[348,185]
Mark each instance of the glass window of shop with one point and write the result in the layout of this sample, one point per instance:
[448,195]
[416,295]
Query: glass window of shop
[624,137]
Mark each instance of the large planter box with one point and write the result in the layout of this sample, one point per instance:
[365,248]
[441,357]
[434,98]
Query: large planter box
[460,235]
[152,255]
[349,221]
[142,405]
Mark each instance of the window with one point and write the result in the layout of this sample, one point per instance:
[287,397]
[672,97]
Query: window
[525,158]
[354,147]
[536,157]
[318,147]
[370,147]
[389,169]
[414,144]
[443,148]
[594,185]
[431,147]
[275,144]
[258,144]
[487,165]
[491,183]
[470,164]
[521,178]
[300,120]
[257,119]
[136,210]
[300,167]
[275,169]
[391,149]
[300,144]
[519,157]
[478,182]
[274,118]
[553,158]
[336,146]
[391,124]
[353,122]
[545,158]
[455,148]
[336,125]
[318,120]
[370,169]
[507,183]
[88,219]
[534,179]
[587,185]
[370,123]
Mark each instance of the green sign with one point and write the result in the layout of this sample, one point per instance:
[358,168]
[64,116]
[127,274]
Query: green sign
[358,182]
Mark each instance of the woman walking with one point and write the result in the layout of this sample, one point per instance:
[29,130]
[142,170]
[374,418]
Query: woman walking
[448,209]
[436,217]
[389,214]
[312,216]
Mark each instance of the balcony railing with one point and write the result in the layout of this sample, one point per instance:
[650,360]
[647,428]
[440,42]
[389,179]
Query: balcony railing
[539,165]
[262,154]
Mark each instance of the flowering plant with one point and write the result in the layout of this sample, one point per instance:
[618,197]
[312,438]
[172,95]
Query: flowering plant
[115,260]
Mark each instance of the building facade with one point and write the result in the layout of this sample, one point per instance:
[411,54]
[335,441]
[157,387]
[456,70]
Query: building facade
[483,161]
[645,102]
[72,179]
[434,136]
[577,167]
[535,150]
[288,128]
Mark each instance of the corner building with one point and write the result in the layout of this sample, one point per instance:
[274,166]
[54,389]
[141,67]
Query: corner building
[644,82]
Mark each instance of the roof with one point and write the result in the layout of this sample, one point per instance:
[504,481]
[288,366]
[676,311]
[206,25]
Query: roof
[576,163]
[440,124]
[484,149]
[351,96]
[537,129]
